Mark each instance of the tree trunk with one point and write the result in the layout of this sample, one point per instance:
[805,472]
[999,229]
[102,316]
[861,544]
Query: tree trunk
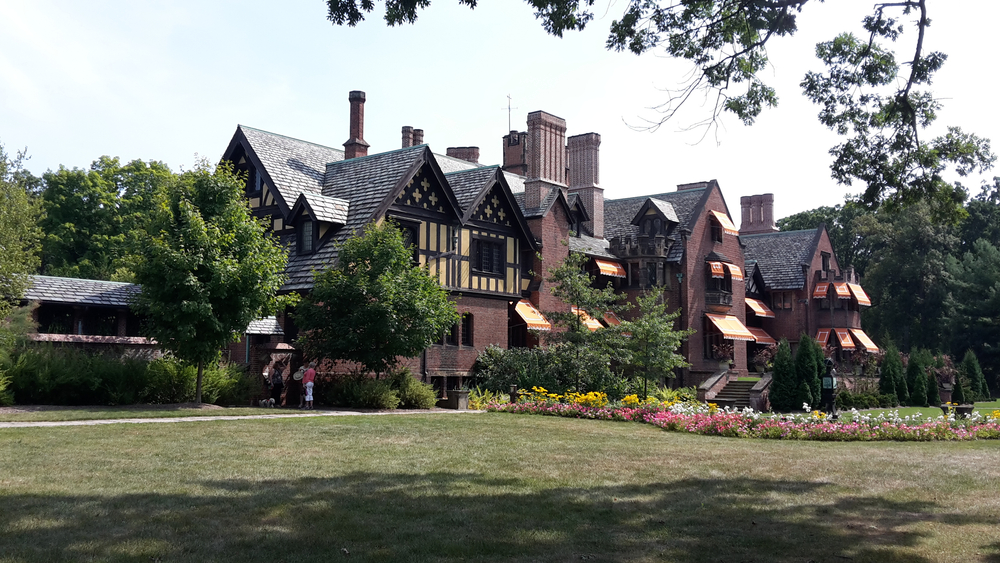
[197,392]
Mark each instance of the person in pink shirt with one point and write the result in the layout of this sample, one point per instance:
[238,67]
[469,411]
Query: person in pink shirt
[308,380]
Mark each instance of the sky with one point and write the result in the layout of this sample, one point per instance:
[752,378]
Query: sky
[170,81]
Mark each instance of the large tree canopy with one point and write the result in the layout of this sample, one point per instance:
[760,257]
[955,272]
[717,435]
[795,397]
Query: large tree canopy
[19,234]
[206,266]
[879,102]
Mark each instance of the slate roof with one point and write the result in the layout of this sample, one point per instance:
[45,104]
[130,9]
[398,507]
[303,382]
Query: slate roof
[267,325]
[330,209]
[780,256]
[665,208]
[468,184]
[450,164]
[294,166]
[80,292]
[590,246]
[618,214]
[365,182]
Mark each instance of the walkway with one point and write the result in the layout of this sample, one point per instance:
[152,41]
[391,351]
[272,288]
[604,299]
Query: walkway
[222,417]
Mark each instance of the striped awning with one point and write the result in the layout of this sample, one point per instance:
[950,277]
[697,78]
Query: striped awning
[843,292]
[718,270]
[727,226]
[759,308]
[731,327]
[588,321]
[822,336]
[822,290]
[611,319]
[735,271]
[609,268]
[532,316]
[844,337]
[860,295]
[863,340]
[760,336]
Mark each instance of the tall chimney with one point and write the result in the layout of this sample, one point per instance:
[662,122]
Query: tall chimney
[758,214]
[356,145]
[470,154]
[418,137]
[407,136]
[585,178]
[546,157]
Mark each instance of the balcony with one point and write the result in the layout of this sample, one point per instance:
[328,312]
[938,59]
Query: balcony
[718,301]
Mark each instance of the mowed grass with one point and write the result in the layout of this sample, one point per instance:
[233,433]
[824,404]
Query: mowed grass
[484,487]
[983,408]
[52,414]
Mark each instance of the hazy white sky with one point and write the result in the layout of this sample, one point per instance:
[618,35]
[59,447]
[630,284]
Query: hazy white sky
[166,81]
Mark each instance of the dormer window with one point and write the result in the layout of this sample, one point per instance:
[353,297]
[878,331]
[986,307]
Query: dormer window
[307,236]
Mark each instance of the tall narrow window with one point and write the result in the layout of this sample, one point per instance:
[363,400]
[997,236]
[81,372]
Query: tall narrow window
[489,257]
[467,329]
[452,336]
[306,242]
[411,239]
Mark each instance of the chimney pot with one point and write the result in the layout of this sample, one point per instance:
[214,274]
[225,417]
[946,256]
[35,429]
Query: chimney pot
[407,136]
[470,154]
[418,137]
[584,178]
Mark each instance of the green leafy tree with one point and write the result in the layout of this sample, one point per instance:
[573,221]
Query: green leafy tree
[878,102]
[653,341]
[916,376]
[970,371]
[374,306]
[784,385]
[844,225]
[958,391]
[892,380]
[91,214]
[983,218]
[972,305]
[933,394]
[206,266]
[19,233]
[805,370]
[585,357]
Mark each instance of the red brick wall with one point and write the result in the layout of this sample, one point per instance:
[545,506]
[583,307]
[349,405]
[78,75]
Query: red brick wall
[553,230]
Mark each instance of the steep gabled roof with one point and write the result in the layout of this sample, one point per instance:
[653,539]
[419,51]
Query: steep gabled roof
[618,214]
[470,185]
[321,208]
[51,289]
[782,255]
[590,246]
[290,165]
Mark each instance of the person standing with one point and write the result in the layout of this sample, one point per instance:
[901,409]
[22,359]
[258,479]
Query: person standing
[277,382]
[309,381]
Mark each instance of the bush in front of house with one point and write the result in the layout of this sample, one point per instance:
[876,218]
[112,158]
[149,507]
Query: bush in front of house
[413,394]
[52,375]
[847,400]
[362,391]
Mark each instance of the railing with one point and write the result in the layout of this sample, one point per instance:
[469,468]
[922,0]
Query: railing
[718,301]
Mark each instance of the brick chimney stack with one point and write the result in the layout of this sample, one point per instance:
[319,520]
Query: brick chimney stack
[418,137]
[757,214]
[470,154]
[585,178]
[515,156]
[407,136]
[356,145]
[546,152]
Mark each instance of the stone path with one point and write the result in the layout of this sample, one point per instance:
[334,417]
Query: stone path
[221,417]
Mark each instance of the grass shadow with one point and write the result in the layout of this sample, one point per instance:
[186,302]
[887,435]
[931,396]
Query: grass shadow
[449,517]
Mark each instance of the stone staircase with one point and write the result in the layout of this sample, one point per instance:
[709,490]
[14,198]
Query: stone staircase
[734,394]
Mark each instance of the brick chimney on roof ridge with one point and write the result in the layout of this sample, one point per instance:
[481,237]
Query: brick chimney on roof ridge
[418,137]
[515,155]
[546,157]
[356,145]
[407,136]
[470,154]
[583,153]
[757,214]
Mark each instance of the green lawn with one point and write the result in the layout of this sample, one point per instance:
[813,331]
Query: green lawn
[486,487]
[983,408]
[47,413]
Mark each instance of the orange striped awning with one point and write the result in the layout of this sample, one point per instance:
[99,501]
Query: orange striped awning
[611,319]
[609,268]
[822,336]
[760,336]
[735,271]
[844,336]
[727,226]
[731,327]
[588,321]
[863,340]
[718,270]
[822,290]
[860,295]
[843,292]
[532,316]
[759,308]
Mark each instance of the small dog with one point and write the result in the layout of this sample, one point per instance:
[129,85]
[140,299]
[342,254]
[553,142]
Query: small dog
[267,402]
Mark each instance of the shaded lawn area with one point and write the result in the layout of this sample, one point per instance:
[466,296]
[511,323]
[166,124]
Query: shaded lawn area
[46,413]
[488,487]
